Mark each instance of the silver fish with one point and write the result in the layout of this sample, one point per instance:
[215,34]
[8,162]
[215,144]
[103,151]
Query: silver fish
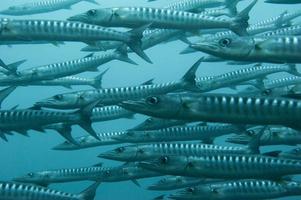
[113,96]
[18,191]
[283,1]
[163,18]
[41,7]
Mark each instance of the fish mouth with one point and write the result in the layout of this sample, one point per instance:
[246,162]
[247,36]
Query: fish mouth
[45,103]
[147,165]
[108,155]
[135,106]
[205,47]
[188,50]
[78,18]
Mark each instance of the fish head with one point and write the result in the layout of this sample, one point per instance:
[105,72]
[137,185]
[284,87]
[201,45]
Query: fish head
[296,152]
[162,106]
[64,101]
[94,16]
[135,136]
[39,178]
[129,153]
[236,48]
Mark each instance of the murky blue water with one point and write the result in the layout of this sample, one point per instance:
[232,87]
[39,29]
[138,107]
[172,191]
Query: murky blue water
[24,154]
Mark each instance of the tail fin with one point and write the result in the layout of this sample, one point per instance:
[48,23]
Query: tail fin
[89,193]
[188,80]
[92,1]
[240,23]
[293,70]
[135,42]
[64,130]
[97,80]
[5,92]
[122,55]
[85,121]
[13,67]
[280,22]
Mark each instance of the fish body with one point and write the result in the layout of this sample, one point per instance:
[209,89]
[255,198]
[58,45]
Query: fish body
[223,108]
[224,166]
[249,189]
[286,31]
[285,49]
[18,191]
[283,1]
[41,7]
[109,113]
[143,152]
[162,18]
[113,96]
[179,133]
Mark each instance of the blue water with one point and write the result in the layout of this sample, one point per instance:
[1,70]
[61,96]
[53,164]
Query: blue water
[24,154]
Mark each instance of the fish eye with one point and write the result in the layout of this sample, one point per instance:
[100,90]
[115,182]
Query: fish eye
[297,150]
[152,100]
[92,12]
[267,92]
[30,174]
[149,120]
[191,190]
[225,42]
[164,160]
[140,151]
[120,149]
[58,97]
[250,132]
[108,172]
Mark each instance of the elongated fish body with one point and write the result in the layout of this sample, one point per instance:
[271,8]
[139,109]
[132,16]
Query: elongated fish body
[27,119]
[68,81]
[17,191]
[41,7]
[110,113]
[153,123]
[191,5]
[12,43]
[275,136]
[103,174]
[135,153]
[55,30]
[249,189]
[113,96]
[282,82]
[283,1]
[241,75]
[286,18]
[237,109]
[285,49]
[181,133]
[162,18]
[286,31]
[177,182]
[89,141]
[224,166]
[217,12]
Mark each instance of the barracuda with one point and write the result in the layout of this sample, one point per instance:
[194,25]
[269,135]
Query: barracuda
[224,108]
[224,166]
[143,152]
[283,1]
[97,173]
[178,182]
[89,141]
[289,154]
[286,31]
[17,191]
[275,50]
[113,96]
[249,189]
[70,81]
[56,30]
[286,18]
[163,18]
[107,113]
[273,136]
[41,7]
[239,76]
[153,123]
[282,82]
[181,133]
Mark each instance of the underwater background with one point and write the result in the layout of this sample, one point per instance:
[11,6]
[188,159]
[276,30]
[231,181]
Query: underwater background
[21,155]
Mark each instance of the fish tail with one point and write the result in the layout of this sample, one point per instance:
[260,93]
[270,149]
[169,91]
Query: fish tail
[240,23]
[122,55]
[92,1]
[13,67]
[188,80]
[5,92]
[65,131]
[90,192]
[97,80]
[135,42]
[231,6]
[293,70]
